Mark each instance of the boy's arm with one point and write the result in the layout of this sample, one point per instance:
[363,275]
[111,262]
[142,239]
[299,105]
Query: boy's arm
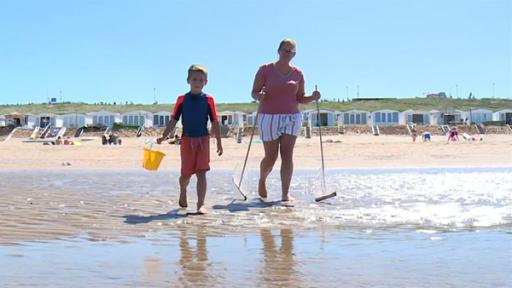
[216,131]
[170,128]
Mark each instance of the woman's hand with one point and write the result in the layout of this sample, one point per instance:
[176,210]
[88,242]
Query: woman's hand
[316,95]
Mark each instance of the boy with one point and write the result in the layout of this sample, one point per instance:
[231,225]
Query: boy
[195,108]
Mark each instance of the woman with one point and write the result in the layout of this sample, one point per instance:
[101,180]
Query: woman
[279,87]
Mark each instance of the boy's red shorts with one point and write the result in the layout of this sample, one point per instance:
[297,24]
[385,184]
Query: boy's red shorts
[195,155]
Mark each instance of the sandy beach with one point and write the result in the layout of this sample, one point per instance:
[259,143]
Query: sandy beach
[344,151]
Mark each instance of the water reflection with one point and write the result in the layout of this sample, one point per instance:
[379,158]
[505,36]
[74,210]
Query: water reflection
[194,257]
[278,261]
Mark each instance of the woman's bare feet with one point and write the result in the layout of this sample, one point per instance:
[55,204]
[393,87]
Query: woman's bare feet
[262,189]
[287,198]
[201,210]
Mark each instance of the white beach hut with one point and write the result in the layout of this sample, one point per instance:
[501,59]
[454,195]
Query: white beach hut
[418,117]
[435,117]
[327,117]
[16,119]
[231,118]
[76,120]
[138,118]
[44,119]
[356,117]
[250,119]
[504,115]
[479,116]
[105,118]
[453,117]
[2,121]
[161,118]
[385,117]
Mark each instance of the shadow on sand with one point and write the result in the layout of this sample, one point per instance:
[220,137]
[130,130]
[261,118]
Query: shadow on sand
[171,215]
[238,206]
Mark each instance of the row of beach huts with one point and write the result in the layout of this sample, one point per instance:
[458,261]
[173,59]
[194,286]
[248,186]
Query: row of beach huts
[240,119]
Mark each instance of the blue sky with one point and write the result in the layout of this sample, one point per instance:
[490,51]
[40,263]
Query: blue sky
[128,50]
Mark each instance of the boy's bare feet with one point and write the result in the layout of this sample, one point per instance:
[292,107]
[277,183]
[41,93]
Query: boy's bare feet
[262,189]
[201,210]
[183,199]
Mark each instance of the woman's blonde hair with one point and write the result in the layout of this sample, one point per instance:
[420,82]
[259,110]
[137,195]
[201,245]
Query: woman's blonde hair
[286,41]
[197,68]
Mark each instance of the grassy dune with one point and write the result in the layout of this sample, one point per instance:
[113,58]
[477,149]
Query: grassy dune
[369,105]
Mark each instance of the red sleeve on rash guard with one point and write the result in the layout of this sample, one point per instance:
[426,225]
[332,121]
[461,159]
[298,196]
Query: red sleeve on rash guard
[178,109]
[212,112]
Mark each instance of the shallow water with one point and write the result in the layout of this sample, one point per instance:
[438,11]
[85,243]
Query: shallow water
[387,228]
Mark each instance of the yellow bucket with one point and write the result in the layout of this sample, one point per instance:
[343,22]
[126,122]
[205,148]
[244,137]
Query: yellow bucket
[152,159]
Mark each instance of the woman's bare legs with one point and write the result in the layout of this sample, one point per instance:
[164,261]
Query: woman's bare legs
[287,143]
[266,165]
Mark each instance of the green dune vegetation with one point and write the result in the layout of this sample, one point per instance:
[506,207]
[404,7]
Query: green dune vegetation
[402,104]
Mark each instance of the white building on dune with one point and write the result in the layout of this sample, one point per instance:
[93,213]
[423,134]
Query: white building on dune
[232,118]
[105,118]
[77,120]
[479,116]
[504,115]
[327,117]
[138,118]
[44,119]
[385,117]
[356,117]
[161,118]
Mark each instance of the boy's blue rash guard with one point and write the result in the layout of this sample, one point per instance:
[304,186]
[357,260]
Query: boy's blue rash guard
[195,109]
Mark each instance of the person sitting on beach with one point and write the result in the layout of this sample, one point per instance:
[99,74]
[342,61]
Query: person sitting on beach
[58,141]
[426,136]
[453,135]
[176,140]
[68,141]
[468,137]
[195,107]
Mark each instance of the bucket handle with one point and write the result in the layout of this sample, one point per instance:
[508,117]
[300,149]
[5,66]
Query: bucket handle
[151,142]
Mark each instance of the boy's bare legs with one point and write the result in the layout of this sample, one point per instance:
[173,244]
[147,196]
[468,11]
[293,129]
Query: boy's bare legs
[184,180]
[201,192]
[266,165]
[286,148]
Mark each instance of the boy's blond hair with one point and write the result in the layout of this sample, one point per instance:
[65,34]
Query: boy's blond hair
[197,68]
[286,41]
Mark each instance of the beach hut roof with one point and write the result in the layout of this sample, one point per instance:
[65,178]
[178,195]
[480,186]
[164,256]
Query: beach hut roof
[356,111]
[481,110]
[505,111]
[74,114]
[385,110]
[15,114]
[163,112]
[102,112]
[415,111]
[137,112]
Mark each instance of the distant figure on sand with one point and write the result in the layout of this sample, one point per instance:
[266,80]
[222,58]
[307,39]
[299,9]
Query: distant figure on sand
[468,137]
[414,133]
[195,107]
[453,135]
[279,87]
[426,136]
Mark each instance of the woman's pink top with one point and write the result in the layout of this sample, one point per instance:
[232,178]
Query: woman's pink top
[283,93]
